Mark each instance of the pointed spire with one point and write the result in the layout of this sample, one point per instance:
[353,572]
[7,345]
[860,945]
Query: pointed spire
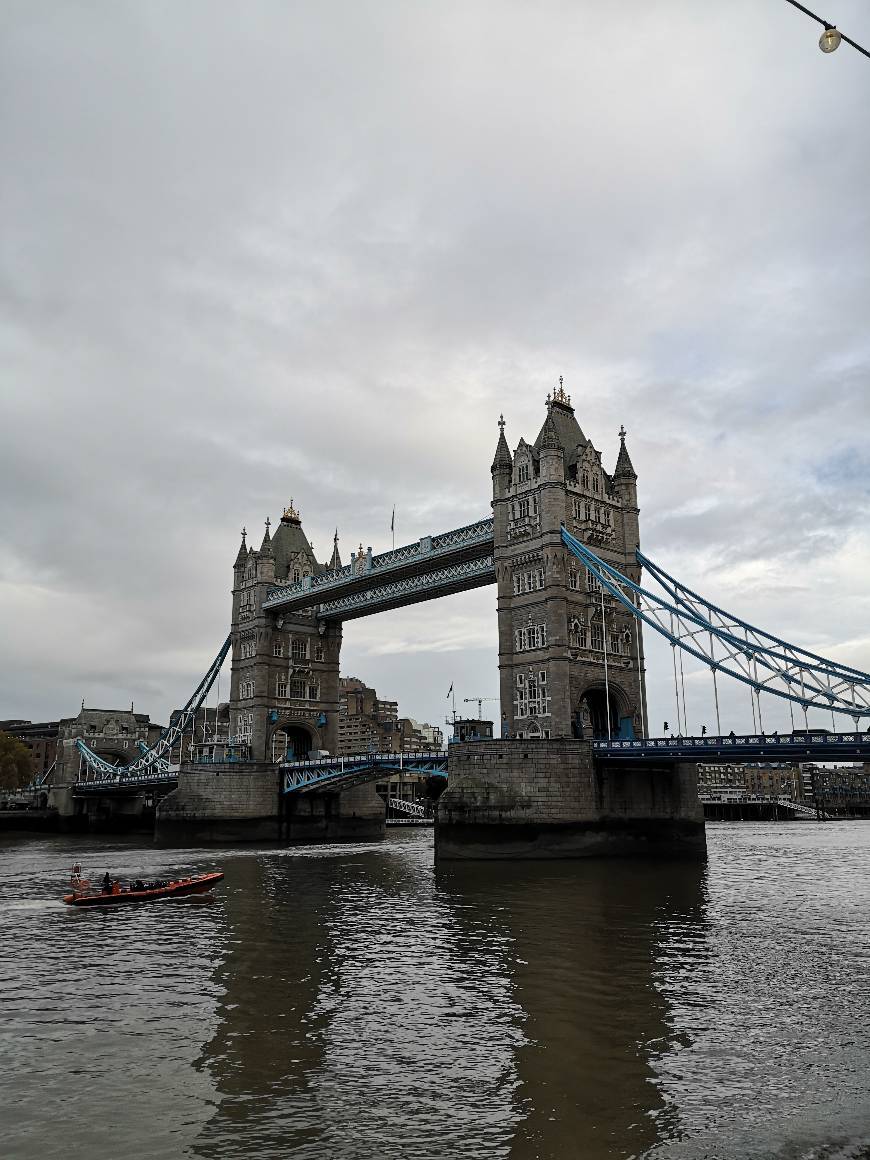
[502,451]
[623,462]
[266,546]
[242,556]
[335,562]
[549,435]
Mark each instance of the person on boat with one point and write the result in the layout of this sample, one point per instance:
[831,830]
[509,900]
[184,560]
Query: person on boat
[138,884]
[107,883]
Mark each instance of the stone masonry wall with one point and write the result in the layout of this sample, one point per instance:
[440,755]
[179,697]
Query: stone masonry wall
[221,802]
[228,803]
[549,798]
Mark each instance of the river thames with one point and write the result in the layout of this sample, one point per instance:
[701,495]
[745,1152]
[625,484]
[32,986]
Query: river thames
[360,1002]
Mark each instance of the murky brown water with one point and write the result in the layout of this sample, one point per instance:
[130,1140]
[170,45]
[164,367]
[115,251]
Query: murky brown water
[358,1002]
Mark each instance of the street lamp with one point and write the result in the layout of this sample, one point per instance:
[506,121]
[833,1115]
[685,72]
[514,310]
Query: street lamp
[830,39]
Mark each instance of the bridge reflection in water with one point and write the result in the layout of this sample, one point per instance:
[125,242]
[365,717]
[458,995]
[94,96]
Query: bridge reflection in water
[377,1007]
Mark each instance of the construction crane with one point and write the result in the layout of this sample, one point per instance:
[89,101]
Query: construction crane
[480,701]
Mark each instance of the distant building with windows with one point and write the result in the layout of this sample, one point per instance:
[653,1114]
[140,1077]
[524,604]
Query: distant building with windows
[367,722]
[40,738]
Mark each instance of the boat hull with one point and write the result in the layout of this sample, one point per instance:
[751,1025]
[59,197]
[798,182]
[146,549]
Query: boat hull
[198,885]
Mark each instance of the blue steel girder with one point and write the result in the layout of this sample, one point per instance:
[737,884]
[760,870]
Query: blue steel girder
[426,556]
[727,644]
[429,585]
[336,773]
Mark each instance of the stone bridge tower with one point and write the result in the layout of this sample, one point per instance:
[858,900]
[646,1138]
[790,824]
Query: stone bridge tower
[555,630]
[284,688]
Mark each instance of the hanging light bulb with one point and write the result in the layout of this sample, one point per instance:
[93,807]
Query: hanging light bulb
[830,40]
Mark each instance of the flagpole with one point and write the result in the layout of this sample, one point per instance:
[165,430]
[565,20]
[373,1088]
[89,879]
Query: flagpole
[393,527]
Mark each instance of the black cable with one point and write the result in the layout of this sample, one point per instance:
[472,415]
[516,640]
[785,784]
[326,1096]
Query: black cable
[826,26]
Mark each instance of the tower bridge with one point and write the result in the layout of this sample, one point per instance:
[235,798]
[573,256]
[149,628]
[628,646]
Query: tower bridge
[574,770]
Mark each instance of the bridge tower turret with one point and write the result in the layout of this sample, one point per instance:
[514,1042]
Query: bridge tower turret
[284,695]
[555,633]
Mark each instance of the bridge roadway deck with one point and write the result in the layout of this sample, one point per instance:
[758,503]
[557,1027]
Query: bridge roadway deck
[817,746]
[342,772]
[432,566]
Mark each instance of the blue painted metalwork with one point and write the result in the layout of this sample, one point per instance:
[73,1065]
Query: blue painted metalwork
[797,746]
[427,586]
[426,548]
[729,645]
[335,773]
[152,765]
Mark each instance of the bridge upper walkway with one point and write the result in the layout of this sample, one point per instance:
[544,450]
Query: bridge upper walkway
[432,566]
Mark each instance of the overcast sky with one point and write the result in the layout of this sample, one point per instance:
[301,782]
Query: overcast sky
[263,250]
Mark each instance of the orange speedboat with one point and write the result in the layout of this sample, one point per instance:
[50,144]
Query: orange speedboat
[114,894]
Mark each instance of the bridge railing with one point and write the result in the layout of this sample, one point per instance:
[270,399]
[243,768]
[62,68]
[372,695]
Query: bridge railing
[798,742]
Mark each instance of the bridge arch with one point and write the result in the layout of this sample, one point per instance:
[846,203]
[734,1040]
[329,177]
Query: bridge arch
[590,711]
[293,739]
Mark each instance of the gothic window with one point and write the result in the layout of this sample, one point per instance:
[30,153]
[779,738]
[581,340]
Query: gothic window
[577,636]
[593,584]
[584,479]
[318,652]
[299,648]
[523,473]
[588,511]
[615,643]
[573,578]
[531,637]
[281,686]
[523,508]
[607,516]
[531,581]
[532,698]
[595,484]
[314,692]
[246,690]
[297,689]
[534,505]
[296,576]
[278,648]
[597,638]
[521,697]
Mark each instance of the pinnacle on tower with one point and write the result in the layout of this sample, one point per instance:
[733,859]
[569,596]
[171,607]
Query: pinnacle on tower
[242,556]
[549,435]
[623,463]
[335,562]
[502,451]
[266,546]
[291,514]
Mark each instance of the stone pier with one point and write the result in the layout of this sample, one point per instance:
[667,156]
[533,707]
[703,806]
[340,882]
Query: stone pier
[243,803]
[548,798]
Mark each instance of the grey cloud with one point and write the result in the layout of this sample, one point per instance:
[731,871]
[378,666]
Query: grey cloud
[315,250]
